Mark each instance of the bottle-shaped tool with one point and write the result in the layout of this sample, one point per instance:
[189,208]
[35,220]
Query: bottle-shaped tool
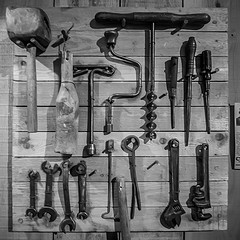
[67,103]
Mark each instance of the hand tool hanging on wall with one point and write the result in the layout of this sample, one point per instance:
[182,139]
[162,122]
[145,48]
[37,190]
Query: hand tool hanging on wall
[80,170]
[130,144]
[171,216]
[31,211]
[190,53]
[67,106]
[173,88]
[199,197]
[123,210]
[109,150]
[111,38]
[68,219]
[151,19]
[29,28]
[48,210]
[103,70]
[206,76]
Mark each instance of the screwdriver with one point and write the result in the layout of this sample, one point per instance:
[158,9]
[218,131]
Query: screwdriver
[190,53]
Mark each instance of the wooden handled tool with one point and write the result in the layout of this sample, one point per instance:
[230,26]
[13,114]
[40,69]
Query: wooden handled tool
[67,103]
[123,210]
[29,28]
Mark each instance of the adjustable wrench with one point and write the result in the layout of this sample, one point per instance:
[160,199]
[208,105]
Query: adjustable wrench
[48,209]
[68,220]
[130,145]
[199,197]
[171,216]
[31,211]
[80,170]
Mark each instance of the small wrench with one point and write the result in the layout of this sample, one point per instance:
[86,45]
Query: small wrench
[31,211]
[48,209]
[80,170]
[68,220]
[171,216]
[130,145]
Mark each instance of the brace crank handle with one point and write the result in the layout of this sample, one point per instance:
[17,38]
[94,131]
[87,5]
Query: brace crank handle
[165,19]
[190,53]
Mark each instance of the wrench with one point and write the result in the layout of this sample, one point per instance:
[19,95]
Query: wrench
[199,197]
[68,220]
[31,211]
[80,170]
[130,145]
[48,209]
[171,216]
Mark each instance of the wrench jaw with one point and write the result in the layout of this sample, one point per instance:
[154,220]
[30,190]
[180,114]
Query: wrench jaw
[48,210]
[68,221]
[31,213]
[82,215]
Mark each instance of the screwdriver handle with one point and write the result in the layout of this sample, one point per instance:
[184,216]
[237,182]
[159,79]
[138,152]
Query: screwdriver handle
[207,64]
[190,53]
[164,19]
[174,72]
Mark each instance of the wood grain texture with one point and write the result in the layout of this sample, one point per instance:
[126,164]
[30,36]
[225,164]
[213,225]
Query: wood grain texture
[151,3]
[42,143]
[47,93]
[206,3]
[86,3]
[47,116]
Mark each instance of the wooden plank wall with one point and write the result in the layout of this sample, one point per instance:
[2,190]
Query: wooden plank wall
[234,194]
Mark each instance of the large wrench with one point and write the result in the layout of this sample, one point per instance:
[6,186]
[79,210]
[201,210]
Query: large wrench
[80,170]
[171,216]
[68,220]
[48,209]
[130,145]
[31,211]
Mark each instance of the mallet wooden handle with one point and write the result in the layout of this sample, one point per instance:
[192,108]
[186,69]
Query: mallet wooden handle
[123,210]
[31,90]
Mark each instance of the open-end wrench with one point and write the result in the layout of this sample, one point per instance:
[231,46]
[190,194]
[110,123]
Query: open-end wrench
[31,211]
[130,145]
[199,197]
[80,170]
[68,219]
[48,209]
[171,216]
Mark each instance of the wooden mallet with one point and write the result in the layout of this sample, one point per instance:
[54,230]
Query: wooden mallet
[29,28]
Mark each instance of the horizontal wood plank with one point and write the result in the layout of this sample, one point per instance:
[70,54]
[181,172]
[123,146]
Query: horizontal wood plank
[152,193]
[151,221]
[83,18]
[93,44]
[48,69]
[218,167]
[42,143]
[48,91]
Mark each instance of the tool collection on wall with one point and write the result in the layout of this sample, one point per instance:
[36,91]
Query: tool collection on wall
[67,159]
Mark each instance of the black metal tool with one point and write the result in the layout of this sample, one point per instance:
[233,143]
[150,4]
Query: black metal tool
[68,219]
[165,20]
[171,216]
[111,38]
[199,197]
[80,170]
[130,144]
[31,211]
[190,53]
[173,88]
[104,70]
[48,209]
[109,150]
[206,74]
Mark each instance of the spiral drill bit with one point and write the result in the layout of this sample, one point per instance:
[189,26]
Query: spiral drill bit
[151,96]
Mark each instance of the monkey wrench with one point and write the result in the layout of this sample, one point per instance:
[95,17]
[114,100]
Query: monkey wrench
[171,216]
[130,144]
